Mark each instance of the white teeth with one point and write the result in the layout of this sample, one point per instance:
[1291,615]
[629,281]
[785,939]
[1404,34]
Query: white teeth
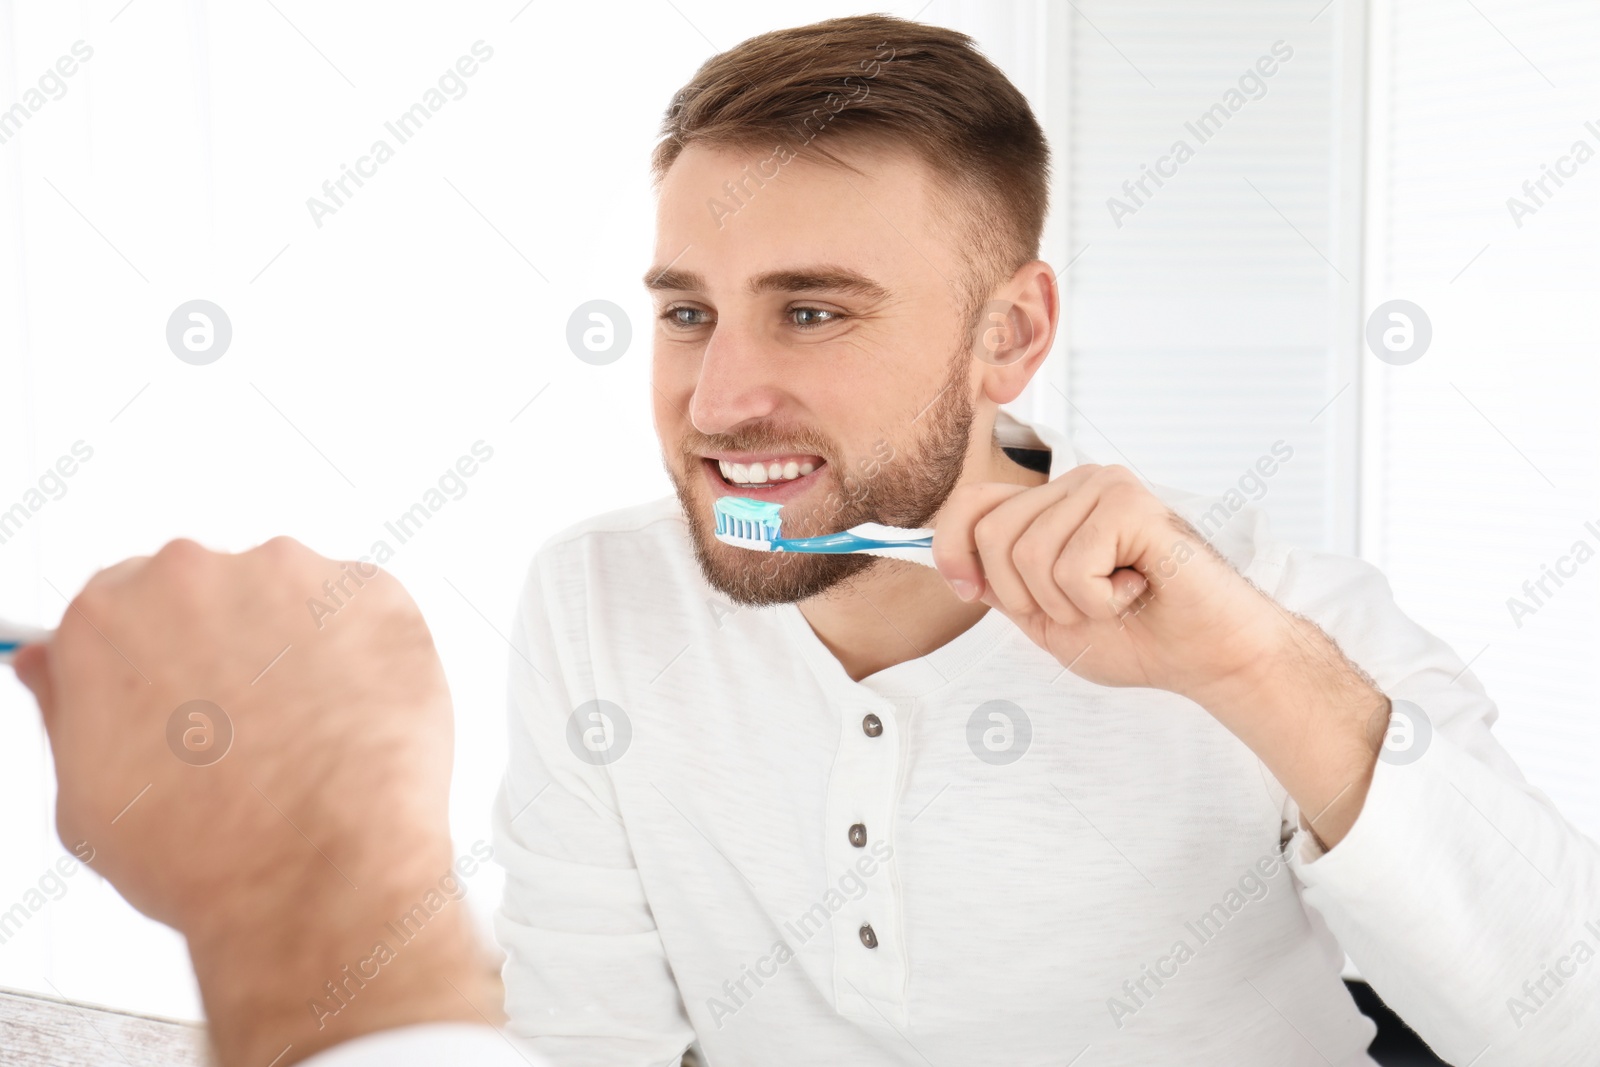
[763,473]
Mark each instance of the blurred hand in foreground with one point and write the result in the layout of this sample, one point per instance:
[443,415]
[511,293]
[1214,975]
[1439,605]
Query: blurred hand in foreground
[270,781]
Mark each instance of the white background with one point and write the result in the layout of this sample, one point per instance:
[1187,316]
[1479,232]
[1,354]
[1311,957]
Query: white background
[430,312]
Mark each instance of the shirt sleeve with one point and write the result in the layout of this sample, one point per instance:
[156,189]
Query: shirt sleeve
[587,978]
[428,1045]
[1463,896]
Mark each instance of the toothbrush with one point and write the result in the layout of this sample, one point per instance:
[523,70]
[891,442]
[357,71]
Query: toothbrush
[14,635]
[755,524]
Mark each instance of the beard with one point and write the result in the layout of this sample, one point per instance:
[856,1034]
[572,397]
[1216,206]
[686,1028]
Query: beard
[900,484]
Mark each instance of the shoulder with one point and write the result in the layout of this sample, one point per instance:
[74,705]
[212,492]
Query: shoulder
[641,555]
[657,521]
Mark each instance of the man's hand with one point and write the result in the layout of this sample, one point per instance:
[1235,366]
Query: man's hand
[272,785]
[1101,574]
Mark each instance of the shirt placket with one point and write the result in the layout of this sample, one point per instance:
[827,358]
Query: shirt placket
[870,963]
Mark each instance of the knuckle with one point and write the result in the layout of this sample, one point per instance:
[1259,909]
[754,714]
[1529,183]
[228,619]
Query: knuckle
[1062,571]
[1034,553]
[1115,472]
[180,553]
[1130,489]
[1126,486]
[287,560]
[282,549]
[91,600]
[987,534]
[179,566]
[392,594]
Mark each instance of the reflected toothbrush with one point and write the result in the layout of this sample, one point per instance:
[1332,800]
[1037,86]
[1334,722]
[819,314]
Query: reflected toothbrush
[14,635]
[756,525]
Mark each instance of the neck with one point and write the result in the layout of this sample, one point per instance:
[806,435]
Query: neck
[897,611]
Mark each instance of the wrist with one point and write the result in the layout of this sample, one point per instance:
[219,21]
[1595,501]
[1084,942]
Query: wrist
[1316,720]
[1246,662]
[299,972]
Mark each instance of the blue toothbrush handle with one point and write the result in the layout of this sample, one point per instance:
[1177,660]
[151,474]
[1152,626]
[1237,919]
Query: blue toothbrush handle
[840,543]
[915,547]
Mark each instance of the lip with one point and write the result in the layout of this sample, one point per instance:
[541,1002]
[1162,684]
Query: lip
[781,493]
[764,457]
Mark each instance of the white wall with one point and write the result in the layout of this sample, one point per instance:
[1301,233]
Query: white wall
[368,354]
[1482,459]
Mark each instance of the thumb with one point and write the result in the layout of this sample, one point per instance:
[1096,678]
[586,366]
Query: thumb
[32,664]
[1127,586]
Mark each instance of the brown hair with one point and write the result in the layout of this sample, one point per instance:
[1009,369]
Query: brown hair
[888,81]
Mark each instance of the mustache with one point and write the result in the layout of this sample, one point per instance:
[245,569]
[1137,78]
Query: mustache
[694,445]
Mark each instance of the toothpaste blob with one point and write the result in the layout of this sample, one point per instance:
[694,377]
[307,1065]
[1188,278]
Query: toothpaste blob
[750,520]
[757,525]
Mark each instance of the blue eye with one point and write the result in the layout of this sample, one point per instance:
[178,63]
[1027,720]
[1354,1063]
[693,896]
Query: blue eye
[834,315]
[684,317]
[672,317]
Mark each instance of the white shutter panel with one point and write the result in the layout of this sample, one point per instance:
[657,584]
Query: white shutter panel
[1481,466]
[1205,327]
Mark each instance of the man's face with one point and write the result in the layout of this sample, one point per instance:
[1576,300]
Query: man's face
[809,350]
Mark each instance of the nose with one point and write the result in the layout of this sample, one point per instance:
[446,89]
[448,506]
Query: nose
[736,382]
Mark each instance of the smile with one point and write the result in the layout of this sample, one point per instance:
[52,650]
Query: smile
[777,476]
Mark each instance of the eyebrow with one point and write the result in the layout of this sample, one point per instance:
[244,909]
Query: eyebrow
[821,279]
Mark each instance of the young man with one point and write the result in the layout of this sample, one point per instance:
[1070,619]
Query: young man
[1092,784]
[1098,790]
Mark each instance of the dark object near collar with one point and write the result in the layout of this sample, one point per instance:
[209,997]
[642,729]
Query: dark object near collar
[1035,459]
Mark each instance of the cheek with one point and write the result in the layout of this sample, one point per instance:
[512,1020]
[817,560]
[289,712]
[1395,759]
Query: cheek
[672,380]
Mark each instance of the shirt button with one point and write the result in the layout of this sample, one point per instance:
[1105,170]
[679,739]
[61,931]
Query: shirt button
[868,938]
[858,835]
[872,726]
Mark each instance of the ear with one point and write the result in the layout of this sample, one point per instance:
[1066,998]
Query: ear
[1015,329]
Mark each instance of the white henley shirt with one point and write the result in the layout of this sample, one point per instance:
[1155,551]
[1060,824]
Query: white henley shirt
[976,857]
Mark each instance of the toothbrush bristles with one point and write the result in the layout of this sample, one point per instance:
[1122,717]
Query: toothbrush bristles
[750,520]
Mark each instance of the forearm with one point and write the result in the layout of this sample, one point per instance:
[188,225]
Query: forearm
[1469,903]
[303,973]
[1315,719]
